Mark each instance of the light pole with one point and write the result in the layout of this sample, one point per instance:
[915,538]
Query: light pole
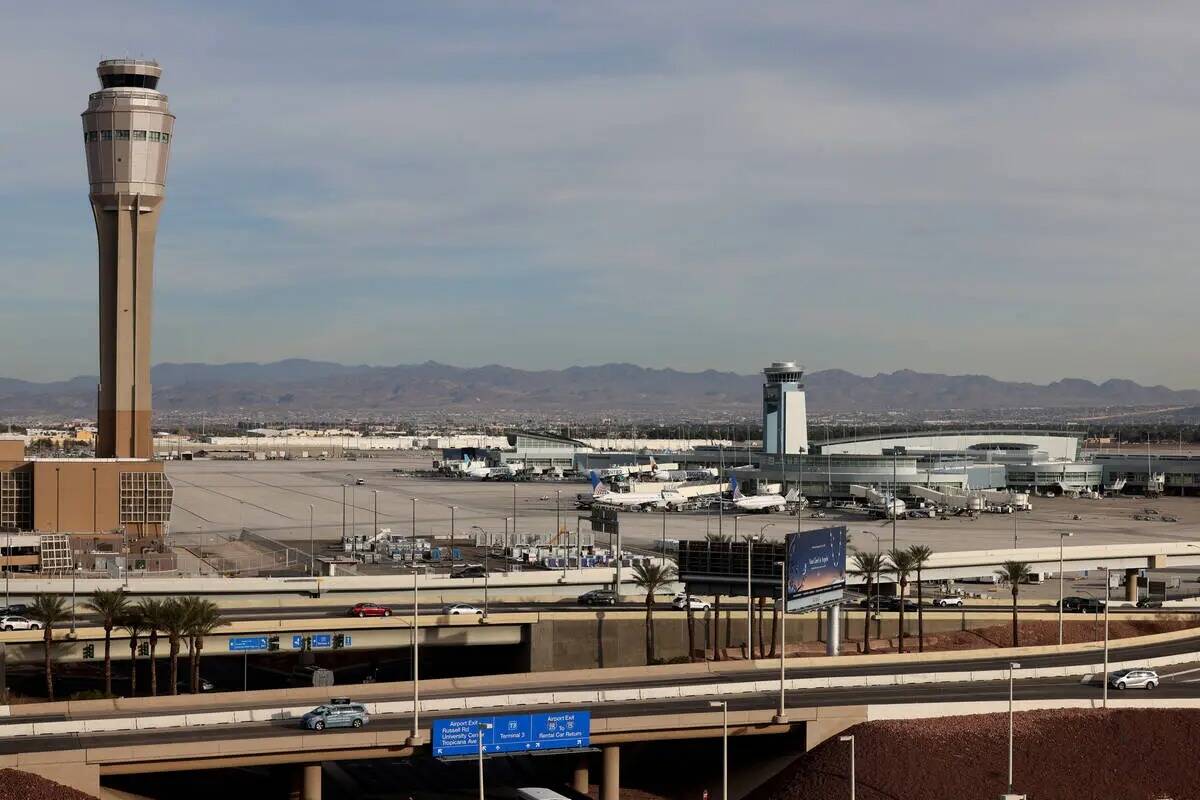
[557,512]
[504,551]
[850,738]
[736,517]
[487,544]
[7,572]
[312,550]
[1107,581]
[1012,665]
[415,738]
[343,513]
[414,531]
[781,717]
[74,573]
[749,599]
[1062,535]
[452,509]
[724,706]
[375,531]
[483,726]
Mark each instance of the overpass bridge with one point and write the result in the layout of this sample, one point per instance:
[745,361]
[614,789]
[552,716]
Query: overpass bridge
[78,742]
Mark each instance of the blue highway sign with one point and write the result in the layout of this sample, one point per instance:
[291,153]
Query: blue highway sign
[322,640]
[520,733]
[240,644]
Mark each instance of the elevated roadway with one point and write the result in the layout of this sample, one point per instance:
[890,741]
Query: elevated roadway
[90,738]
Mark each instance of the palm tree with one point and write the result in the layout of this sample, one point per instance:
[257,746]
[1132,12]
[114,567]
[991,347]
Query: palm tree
[774,626]
[867,565]
[134,624]
[49,610]
[109,605]
[153,613]
[173,623]
[762,613]
[715,617]
[1014,573]
[202,618]
[691,625]
[920,554]
[902,564]
[652,578]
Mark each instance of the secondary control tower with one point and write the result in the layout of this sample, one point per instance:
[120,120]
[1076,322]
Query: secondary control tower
[785,418]
[127,132]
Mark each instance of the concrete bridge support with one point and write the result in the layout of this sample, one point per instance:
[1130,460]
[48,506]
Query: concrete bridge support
[580,781]
[610,784]
[833,639]
[306,782]
[1131,585]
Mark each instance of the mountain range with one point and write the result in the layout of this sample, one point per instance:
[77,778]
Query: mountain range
[298,387]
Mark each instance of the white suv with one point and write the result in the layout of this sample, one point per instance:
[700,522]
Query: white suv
[696,603]
[19,624]
[948,600]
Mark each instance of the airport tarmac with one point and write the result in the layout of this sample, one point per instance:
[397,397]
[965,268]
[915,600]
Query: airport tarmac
[218,498]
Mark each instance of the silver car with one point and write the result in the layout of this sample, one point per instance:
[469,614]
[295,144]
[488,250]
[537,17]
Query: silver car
[1133,679]
[337,713]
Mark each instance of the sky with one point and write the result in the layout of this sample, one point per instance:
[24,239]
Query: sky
[962,187]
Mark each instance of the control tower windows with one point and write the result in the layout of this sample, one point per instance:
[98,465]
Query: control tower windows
[166,137]
[121,136]
[130,81]
[154,136]
[106,136]
[139,136]
[91,136]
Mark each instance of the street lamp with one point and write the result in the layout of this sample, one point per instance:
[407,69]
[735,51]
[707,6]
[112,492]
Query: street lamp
[487,543]
[312,550]
[414,531]
[1062,535]
[1012,665]
[74,573]
[1107,582]
[483,726]
[781,717]
[504,552]
[724,706]
[452,510]
[850,738]
[415,738]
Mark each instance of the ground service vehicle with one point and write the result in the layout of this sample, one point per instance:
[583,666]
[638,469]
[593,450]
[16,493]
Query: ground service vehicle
[370,610]
[337,713]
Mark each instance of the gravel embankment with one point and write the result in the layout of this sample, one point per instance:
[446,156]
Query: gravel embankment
[18,785]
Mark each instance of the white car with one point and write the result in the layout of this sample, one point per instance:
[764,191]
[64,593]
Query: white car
[696,603]
[19,624]
[461,608]
[949,600]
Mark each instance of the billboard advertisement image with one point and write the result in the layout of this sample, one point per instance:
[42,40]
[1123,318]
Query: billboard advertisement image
[816,568]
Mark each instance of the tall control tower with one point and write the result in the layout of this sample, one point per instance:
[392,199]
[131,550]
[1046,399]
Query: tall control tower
[785,418]
[127,132]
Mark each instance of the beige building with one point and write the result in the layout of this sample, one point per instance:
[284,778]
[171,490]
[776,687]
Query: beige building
[119,502]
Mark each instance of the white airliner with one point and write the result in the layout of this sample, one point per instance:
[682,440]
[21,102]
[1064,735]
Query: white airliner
[640,501]
[764,503]
[483,472]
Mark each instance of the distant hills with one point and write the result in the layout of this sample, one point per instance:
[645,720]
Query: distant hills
[317,388]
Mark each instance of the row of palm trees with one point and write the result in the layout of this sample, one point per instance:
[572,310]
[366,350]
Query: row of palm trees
[180,619]
[871,565]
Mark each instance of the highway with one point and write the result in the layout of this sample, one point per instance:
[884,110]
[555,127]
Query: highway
[1029,689]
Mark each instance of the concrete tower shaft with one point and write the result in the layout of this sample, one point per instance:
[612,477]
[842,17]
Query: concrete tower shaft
[127,132]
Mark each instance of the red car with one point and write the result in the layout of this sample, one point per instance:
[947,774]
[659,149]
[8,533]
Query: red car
[370,610]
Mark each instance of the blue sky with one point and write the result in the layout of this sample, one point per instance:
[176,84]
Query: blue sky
[1002,188]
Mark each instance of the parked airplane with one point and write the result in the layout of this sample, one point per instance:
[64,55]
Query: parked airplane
[764,503]
[640,501]
[483,472]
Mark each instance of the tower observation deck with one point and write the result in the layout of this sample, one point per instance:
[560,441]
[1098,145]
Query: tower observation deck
[127,133]
[785,417]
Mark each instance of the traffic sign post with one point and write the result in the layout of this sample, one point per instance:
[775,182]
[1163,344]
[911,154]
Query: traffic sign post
[519,733]
[243,644]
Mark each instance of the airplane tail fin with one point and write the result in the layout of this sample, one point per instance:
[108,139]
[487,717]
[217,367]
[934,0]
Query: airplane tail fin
[599,489]
[793,495]
[735,487]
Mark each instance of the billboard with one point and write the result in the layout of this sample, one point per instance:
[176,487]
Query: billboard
[816,568]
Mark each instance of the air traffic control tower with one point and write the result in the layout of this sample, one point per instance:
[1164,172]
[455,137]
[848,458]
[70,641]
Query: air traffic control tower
[127,131]
[785,417]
